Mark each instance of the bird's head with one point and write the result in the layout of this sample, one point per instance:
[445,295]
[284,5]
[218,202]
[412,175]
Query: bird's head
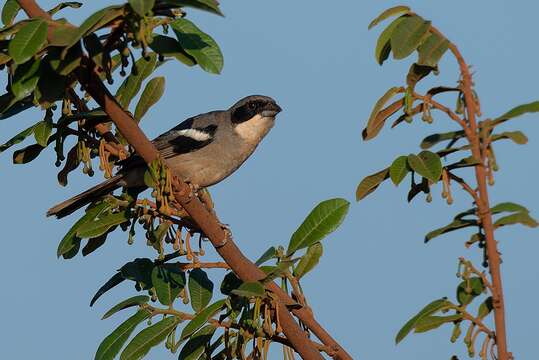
[253,116]
[251,106]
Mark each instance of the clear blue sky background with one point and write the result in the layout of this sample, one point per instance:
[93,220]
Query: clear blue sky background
[316,59]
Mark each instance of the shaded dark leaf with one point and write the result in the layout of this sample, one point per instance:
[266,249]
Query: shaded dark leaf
[127,303]
[27,154]
[200,289]
[116,279]
[455,225]
[193,349]
[250,289]
[93,244]
[17,138]
[206,5]
[434,139]
[269,254]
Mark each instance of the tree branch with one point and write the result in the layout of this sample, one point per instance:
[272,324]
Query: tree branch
[207,222]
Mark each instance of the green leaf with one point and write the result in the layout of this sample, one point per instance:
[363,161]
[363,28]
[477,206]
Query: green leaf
[269,254]
[17,138]
[97,20]
[250,289]
[518,111]
[426,164]
[325,218]
[394,11]
[469,289]
[432,322]
[150,96]
[432,50]
[455,225]
[200,289]
[42,132]
[28,41]
[518,218]
[202,317]
[383,44]
[199,45]
[139,270]
[112,344]
[27,154]
[9,12]
[485,308]
[430,309]
[206,5]
[196,345]
[127,303]
[376,122]
[399,169]
[370,183]
[167,46]
[142,7]
[101,224]
[518,137]
[507,207]
[462,163]
[168,280]
[116,279]
[93,244]
[309,260]
[131,85]
[63,5]
[71,237]
[148,338]
[25,79]
[408,35]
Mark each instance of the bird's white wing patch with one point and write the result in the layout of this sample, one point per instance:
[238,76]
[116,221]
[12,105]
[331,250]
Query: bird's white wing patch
[194,134]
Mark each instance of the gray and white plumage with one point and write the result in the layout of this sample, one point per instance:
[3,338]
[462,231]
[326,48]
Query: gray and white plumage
[202,150]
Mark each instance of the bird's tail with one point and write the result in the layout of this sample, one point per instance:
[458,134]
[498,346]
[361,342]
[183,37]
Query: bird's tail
[71,205]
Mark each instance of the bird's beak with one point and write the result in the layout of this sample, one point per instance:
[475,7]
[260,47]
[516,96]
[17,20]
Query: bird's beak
[271,110]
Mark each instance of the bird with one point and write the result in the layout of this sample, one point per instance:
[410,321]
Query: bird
[202,150]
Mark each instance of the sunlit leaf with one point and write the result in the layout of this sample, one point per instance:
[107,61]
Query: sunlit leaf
[518,137]
[430,309]
[522,218]
[375,123]
[371,183]
[309,260]
[507,207]
[394,11]
[383,44]
[485,308]
[432,50]
[201,318]
[469,289]
[408,35]
[9,12]
[432,322]
[199,45]
[150,96]
[399,169]
[455,225]
[102,224]
[28,40]
[127,303]
[142,7]
[42,132]
[132,84]
[269,254]
[112,344]
[426,164]
[153,335]
[519,110]
[325,218]
[25,79]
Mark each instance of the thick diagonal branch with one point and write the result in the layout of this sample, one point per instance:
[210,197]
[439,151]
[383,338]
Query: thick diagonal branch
[207,222]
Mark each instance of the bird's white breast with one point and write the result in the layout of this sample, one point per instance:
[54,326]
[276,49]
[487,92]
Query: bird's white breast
[254,129]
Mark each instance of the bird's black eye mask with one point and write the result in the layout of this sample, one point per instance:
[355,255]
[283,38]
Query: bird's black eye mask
[247,111]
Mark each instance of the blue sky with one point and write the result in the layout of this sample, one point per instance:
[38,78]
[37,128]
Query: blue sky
[316,59]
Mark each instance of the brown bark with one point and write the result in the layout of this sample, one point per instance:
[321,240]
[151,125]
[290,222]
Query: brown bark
[208,222]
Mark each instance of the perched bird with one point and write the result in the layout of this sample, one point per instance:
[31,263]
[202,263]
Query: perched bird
[202,150]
